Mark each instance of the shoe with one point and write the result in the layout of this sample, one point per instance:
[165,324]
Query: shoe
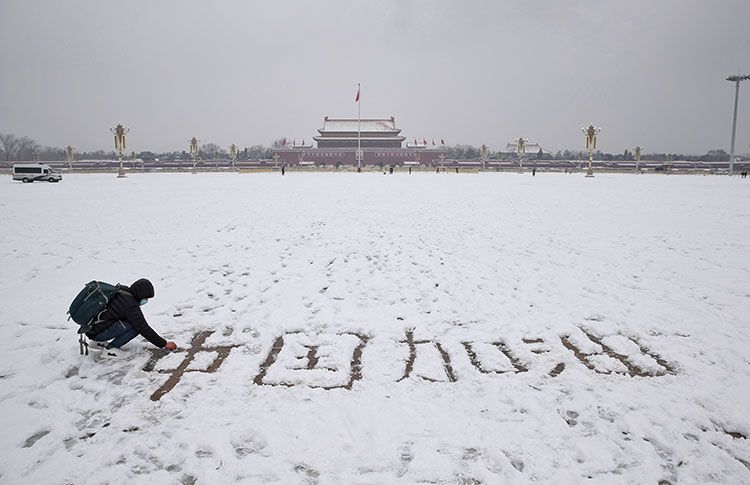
[112,353]
[103,354]
[97,347]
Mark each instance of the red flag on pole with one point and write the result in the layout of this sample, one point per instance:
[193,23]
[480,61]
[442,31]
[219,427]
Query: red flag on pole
[356,100]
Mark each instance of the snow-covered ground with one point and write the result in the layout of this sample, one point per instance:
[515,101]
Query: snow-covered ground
[493,328]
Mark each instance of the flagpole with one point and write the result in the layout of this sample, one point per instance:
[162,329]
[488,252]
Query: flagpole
[359,143]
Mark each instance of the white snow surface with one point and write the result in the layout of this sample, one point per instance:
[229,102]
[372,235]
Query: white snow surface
[519,268]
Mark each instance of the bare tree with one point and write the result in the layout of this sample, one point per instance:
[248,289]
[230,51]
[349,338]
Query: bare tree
[52,153]
[27,149]
[259,152]
[211,150]
[10,145]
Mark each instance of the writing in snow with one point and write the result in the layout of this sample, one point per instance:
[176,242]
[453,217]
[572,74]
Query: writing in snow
[334,361]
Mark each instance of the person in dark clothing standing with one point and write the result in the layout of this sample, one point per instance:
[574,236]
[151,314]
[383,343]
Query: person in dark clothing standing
[123,319]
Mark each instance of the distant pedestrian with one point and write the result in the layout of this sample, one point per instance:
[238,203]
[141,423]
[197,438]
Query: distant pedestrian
[390,169]
[533,172]
[456,169]
[409,170]
[283,169]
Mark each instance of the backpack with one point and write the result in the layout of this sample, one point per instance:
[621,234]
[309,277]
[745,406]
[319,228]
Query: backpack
[88,305]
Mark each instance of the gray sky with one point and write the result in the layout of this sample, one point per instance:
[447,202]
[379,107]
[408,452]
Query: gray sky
[650,73]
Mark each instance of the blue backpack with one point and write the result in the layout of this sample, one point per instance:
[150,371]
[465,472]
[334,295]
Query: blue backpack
[88,305]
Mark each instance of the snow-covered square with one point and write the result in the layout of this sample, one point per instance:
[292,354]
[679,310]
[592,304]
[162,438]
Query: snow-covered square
[368,328]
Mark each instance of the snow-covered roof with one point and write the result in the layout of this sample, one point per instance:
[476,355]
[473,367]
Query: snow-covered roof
[349,124]
[363,137]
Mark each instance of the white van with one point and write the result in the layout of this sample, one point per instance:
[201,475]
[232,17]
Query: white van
[30,172]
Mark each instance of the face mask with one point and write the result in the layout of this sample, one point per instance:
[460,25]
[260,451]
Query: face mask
[144,301]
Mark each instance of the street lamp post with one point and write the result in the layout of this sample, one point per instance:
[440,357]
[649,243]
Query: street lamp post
[276,160]
[736,79]
[69,155]
[120,131]
[442,162]
[520,146]
[637,158]
[590,132]
[194,151]
[233,154]
[484,154]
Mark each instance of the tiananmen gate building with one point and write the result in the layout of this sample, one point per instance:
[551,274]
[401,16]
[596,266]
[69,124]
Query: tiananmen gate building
[382,144]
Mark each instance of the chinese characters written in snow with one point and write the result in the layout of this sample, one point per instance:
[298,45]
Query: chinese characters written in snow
[335,361]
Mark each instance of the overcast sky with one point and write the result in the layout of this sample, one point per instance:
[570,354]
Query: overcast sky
[650,73]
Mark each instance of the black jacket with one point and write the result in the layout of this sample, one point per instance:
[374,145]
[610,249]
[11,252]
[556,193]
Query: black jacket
[126,306]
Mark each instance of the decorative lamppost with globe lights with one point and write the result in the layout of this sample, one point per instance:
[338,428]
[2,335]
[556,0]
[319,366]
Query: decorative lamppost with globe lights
[637,158]
[484,155]
[233,154]
[590,133]
[736,80]
[120,131]
[194,151]
[69,156]
[519,144]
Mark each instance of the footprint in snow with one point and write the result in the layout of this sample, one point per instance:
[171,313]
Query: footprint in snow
[570,418]
[248,443]
[31,440]
[309,475]
[406,455]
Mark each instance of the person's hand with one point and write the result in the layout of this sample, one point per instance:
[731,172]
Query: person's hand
[171,346]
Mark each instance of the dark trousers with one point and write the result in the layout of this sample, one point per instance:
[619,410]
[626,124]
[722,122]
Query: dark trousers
[119,332]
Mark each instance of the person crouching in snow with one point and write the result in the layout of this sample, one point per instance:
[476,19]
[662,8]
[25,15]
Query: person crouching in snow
[123,319]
